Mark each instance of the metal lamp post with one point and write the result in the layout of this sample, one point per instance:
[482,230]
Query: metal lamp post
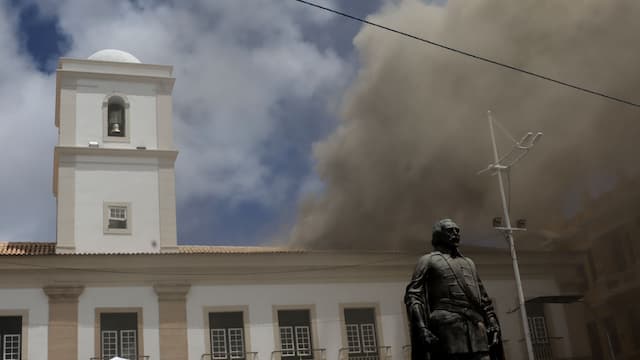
[501,164]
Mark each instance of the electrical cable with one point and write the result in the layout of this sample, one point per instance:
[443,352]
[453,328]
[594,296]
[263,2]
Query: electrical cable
[471,55]
[505,131]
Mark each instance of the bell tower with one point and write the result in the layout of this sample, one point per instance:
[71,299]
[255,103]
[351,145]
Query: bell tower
[114,175]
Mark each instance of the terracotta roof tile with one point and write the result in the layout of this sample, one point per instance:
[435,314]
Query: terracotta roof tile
[192,249]
[49,248]
[27,248]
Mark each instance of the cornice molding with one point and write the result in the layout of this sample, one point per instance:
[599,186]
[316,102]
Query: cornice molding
[166,83]
[170,155]
[65,60]
[171,292]
[61,293]
[170,273]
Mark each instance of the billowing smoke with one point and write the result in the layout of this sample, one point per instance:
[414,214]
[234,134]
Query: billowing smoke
[414,130]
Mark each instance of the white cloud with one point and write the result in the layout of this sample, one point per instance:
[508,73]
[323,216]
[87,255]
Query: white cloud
[27,137]
[235,62]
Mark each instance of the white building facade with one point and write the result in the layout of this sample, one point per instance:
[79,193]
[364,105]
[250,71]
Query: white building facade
[117,284]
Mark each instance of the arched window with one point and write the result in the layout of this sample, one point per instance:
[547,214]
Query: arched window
[116,119]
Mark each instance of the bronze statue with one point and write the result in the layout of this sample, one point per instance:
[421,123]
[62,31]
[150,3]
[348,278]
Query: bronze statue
[450,314]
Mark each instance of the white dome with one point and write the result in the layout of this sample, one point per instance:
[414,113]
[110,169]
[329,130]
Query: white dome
[114,55]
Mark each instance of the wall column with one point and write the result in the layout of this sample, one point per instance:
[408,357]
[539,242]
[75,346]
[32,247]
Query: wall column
[173,320]
[63,321]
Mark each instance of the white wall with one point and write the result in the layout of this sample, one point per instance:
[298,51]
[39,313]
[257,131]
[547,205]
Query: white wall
[104,180]
[142,110]
[506,301]
[36,303]
[327,298]
[114,297]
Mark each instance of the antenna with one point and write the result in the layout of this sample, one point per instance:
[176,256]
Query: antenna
[499,165]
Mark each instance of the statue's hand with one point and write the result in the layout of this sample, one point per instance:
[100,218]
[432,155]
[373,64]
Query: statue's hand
[428,339]
[493,331]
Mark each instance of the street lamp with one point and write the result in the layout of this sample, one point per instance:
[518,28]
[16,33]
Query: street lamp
[499,165]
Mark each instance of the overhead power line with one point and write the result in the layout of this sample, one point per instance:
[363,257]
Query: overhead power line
[471,55]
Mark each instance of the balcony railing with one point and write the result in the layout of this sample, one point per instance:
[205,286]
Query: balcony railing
[381,353]
[542,351]
[313,354]
[139,357]
[249,355]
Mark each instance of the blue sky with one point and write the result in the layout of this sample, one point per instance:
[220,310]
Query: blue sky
[244,200]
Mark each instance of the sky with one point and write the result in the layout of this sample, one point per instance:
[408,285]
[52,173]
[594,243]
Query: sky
[298,126]
[270,75]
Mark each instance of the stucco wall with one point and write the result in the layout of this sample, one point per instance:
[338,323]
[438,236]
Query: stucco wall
[260,300]
[326,299]
[505,297]
[117,297]
[35,304]
[100,181]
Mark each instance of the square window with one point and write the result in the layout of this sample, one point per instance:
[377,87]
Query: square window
[117,218]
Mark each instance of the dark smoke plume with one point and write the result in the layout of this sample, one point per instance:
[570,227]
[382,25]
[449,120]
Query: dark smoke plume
[414,130]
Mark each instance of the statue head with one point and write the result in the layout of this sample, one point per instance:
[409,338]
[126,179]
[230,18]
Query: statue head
[446,234]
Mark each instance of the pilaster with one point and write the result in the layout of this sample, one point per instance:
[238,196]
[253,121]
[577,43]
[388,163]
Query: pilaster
[173,320]
[63,321]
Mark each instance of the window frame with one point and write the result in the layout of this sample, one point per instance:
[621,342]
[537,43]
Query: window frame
[365,348]
[313,326]
[107,206]
[231,334]
[378,338]
[244,309]
[290,349]
[214,342]
[4,346]
[369,348]
[24,315]
[303,348]
[537,321]
[105,119]
[98,333]
[357,344]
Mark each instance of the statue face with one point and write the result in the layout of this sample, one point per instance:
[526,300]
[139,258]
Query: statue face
[451,233]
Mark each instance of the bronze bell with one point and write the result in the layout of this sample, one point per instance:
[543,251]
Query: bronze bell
[115,128]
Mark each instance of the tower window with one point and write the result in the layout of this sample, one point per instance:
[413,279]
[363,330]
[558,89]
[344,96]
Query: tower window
[115,115]
[117,218]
